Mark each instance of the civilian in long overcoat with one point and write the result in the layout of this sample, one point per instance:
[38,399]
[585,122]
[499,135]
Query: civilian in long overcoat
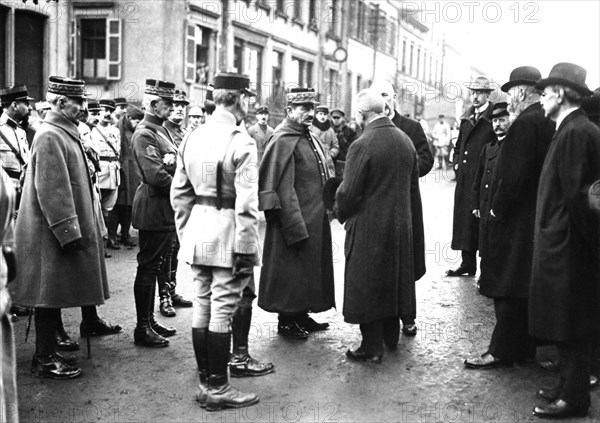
[297,272]
[130,173]
[473,135]
[514,204]
[565,280]
[57,208]
[375,201]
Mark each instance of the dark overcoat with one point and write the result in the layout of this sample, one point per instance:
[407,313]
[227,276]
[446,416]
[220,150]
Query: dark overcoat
[375,201]
[152,146]
[472,137]
[130,173]
[483,187]
[57,207]
[415,132]
[297,272]
[514,202]
[565,281]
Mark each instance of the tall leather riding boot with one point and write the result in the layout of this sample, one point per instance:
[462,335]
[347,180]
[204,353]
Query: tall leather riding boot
[158,328]
[178,300]
[220,393]
[164,293]
[200,343]
[144,334]
[241,363]
[112,222]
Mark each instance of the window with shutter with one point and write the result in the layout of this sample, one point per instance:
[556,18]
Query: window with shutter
[189,72]
[114,46]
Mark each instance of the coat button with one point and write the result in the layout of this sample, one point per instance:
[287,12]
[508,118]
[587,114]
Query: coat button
[464,161]
[66,230]
[486,185]
[466,152]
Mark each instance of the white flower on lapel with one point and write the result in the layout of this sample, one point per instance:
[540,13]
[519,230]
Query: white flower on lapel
[169,159]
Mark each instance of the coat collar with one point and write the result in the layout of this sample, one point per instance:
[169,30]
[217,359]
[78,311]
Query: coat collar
[380,122]
[151,119]
[223,116]
[573,115]
[60,121]
[486,114]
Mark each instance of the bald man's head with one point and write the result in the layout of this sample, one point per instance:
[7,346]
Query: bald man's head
[386,90]
[369,104]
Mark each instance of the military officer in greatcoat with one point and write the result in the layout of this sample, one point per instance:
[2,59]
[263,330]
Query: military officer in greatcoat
[215,197]
[155,153]
[475,132]
[59,248]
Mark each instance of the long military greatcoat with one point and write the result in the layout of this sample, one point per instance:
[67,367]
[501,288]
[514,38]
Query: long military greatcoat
[130,173]
[56,208]
[514,202]
[297,272]
[375,200]
[565,280]
[471,139]
[156,156]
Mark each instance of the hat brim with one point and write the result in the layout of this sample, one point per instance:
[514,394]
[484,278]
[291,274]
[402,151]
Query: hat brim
[26,98]
[187,103]
[516,82]
[474,88]
[543,83]
[499,115]
[248,92]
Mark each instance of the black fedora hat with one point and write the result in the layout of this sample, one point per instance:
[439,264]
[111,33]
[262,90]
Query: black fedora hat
[523,75]
[568,75]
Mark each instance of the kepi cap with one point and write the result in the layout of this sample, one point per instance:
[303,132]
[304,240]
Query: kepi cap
[180,96]
[338,112]
[301,96]
[109,104]
[93,106]
[323,109]
[233,82]
[162,89]
[120,101]
[66,86]
[14,93]
[262,110]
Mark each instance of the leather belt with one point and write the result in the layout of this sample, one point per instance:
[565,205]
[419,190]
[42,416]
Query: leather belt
[108,159]
[226,203]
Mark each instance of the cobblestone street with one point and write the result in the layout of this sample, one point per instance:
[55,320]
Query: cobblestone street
[423,381]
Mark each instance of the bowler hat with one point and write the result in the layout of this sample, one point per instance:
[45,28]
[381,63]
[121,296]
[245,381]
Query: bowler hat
[338,112]
[180,97]
[568,75]
[480,84]
[262,110]
[301,96]
[109,104]
[329,189]
[523,75]
[66,86]
[120,101]
[233,82]
[591,105]
[162,89]
[14,93]
[500,109]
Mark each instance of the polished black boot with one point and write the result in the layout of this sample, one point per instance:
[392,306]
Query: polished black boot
[241,363]
[178,300]
[166,304]
[220,393]
[62,340]
[112,222]
[93,325]
[156,327]
[200,343]
[143,333]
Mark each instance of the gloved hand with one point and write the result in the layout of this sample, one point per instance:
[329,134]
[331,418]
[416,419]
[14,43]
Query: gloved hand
[74,245]
[243,264]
